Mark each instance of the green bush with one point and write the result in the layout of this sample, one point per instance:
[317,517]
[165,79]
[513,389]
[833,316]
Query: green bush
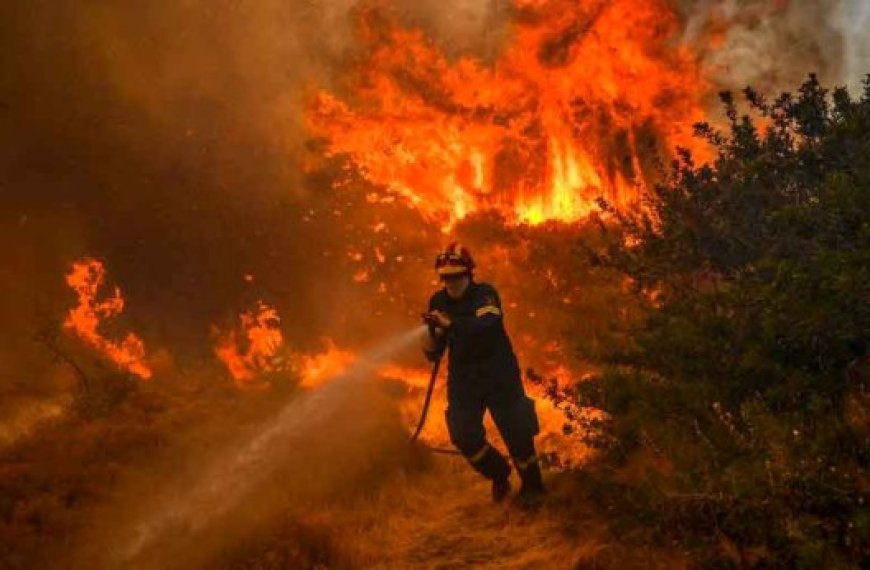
[745,387]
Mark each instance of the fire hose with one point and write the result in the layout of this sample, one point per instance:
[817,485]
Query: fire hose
[436,366]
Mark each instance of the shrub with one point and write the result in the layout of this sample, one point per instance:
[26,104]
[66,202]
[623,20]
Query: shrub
[748,378]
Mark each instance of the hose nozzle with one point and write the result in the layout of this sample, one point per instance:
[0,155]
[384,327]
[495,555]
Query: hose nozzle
[430,321]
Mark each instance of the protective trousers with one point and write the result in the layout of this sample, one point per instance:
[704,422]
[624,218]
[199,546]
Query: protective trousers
[513,414]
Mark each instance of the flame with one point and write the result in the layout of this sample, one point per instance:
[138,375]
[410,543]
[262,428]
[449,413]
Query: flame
[416,381]
[319,368]
[315,369]
[86,278]
[252,349]
[580,105]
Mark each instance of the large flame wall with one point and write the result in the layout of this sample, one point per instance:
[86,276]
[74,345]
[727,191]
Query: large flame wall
[580,104]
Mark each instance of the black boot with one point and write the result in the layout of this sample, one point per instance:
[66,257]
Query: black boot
[500,489]
[492,465]
[532,488]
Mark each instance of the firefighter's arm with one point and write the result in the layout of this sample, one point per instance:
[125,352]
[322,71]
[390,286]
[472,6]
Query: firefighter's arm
[435,342]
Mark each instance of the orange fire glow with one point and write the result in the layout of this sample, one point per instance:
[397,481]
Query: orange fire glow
[86,278]
[315,369]
[581,104]
[252,349]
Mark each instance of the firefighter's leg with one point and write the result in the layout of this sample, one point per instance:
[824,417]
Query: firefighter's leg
[515,417]
[465,424]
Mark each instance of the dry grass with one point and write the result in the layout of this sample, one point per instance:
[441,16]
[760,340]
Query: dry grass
[377,505]
[439,516]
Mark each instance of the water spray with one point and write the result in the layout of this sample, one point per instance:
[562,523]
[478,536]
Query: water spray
[225,483]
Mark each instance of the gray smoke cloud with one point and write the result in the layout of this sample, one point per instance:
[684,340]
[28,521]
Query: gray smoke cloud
[855,20]
[769,44]
[773,45]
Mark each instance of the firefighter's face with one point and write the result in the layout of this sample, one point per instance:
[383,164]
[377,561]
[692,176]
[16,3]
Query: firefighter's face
[455,285]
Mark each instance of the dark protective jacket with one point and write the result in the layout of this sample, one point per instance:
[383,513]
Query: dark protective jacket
[479,348]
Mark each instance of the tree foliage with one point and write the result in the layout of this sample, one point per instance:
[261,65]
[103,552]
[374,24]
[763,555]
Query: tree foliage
[746,386]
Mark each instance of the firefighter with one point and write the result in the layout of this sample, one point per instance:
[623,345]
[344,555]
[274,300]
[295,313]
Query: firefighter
[465,318]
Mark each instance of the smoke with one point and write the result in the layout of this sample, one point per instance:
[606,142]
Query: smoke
[774,45]
[156,135]
[769,44]
[23,417]
[332,441]
[165,138]
[855,21]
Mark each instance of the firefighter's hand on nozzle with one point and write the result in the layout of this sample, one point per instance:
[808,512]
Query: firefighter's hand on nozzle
[438,323]
[440,319]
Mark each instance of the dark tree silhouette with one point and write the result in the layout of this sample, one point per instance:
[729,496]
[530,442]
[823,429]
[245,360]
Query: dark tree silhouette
[755,273]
